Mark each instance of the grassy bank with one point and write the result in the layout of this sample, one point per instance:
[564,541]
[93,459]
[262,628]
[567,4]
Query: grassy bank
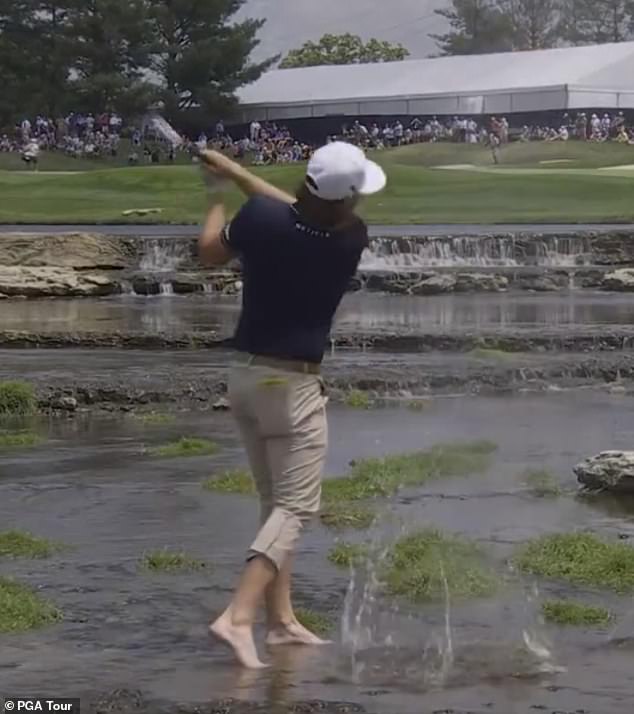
[524,189]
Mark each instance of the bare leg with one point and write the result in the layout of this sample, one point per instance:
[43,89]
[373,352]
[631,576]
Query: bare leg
[284,628]
[235,626]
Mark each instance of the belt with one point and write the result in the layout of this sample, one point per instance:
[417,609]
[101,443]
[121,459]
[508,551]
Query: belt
[286,365]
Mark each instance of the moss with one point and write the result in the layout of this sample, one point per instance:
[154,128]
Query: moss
[342,516]
[490,354]
[567,612]
[580,558]
[235,481]
[357,399]
[419,405]
[154,418]
[383,477]
[166,561]
[21,609]
[314,621]
[542,484]
[18,440]
[186,447]
[17,399]
[417,563]
[344,555]
[16,544]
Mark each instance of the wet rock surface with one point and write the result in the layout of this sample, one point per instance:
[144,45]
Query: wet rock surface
[75,251]
[619,281]
[54,282]
[608,471]
[193,380]
[512,340]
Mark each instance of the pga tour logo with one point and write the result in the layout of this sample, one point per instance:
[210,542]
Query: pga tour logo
[40,705]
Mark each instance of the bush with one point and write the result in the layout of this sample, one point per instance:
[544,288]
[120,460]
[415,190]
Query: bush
[17,399]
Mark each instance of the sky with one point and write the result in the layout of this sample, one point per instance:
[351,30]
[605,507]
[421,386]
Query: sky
[290,23]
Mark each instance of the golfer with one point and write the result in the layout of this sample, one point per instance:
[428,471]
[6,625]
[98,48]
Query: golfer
[298,255]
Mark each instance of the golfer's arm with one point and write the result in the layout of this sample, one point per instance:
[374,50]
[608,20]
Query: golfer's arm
[212,250]
[252,185]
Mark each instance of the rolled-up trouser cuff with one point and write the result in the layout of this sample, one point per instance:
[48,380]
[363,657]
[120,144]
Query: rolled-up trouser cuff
[278,536]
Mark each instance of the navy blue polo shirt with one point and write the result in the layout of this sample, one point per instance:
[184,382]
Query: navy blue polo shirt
[294,277]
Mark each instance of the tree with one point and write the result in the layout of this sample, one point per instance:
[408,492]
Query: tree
[35,56]
[111,53]
[343,49]
[534,24]
[200,57]
[596,21]
[476,26]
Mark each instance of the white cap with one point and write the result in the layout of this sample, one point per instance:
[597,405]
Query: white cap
[340,170]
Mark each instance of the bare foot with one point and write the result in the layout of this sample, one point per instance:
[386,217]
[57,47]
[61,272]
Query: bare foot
[240,639]
[294,634]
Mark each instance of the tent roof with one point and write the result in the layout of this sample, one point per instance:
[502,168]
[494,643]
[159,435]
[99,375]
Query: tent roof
[606,67]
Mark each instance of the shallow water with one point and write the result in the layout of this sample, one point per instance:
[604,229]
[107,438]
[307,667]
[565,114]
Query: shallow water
[359,311]
[92,487]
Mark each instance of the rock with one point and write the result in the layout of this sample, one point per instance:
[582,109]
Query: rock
[54,282]
[619,281]
[72,250]
[221,405]
[65,404]
[480,282]
[3,296]
[435,285]
[146,285]
[543,283]
[609,471]
[186,284]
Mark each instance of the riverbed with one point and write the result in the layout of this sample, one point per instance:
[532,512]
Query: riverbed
[91,486]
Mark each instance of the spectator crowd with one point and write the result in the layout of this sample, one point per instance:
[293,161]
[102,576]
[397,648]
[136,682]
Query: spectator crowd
[267,143]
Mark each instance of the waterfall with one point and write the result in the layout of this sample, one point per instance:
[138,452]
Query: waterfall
[412,254]
[164,255]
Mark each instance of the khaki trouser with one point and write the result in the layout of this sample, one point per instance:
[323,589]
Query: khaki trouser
[282,419]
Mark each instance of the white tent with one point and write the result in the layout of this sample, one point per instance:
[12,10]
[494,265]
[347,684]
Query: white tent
[596,76]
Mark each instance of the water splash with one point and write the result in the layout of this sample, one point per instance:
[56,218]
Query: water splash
[167,289]
[534,634]
[208,289]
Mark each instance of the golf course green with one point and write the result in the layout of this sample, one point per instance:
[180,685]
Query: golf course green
[438,183]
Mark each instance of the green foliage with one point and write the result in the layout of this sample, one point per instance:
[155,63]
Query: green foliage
[201,55]
[382,477]
[186,447]
[166,561]
[542,483]
[421,564]
[21,609]
[344,555]
[17,544]
[17,399]
[597,21]
[345,515]
[18,440]
[490,354]
[317,623]
[475,27]
[358,399]
[580,558]
[343,49]
[98,56]
[419,405]
[568,612]
[236,481]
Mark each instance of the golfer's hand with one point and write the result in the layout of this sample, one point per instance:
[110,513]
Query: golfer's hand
[219,164]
